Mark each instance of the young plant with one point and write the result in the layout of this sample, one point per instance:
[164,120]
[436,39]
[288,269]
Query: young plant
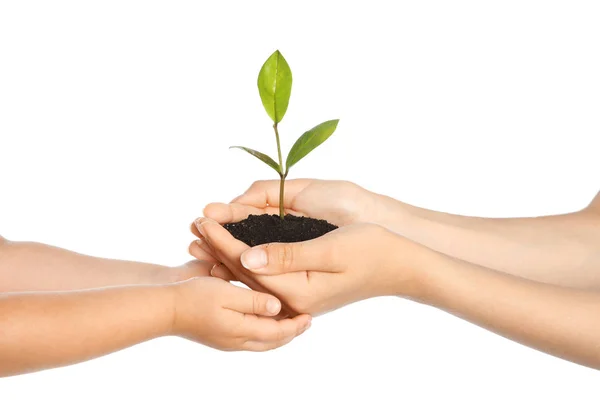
[275,87]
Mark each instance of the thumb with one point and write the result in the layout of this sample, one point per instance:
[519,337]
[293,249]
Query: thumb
[281,258]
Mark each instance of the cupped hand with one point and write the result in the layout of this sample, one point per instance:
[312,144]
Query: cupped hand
[218,314]
[339,202]
[349,264]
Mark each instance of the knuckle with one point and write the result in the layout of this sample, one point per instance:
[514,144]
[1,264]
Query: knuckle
[284,256]
[349,186]
[257,184]
[255,304]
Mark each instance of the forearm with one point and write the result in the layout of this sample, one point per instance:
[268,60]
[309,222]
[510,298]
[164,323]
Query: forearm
[38,267]
[560,321]
[561,250]
[46,330]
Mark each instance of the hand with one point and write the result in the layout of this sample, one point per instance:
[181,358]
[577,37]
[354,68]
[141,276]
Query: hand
[156,274]
[346,265]
[339,202]
[194,269]
[223,316]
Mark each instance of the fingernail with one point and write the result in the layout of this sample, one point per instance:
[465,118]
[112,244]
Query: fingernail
[273,306]
[254,259]
[307,326]
[203,244]
[199,224]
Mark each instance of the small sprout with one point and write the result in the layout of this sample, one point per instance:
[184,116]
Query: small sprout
[275,88]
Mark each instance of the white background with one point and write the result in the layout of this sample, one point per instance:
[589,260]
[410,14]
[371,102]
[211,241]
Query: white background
[115,122]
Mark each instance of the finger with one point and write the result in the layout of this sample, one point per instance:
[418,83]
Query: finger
[219,240]
[220,271]
[228,250]
[255,346]
[252,302]
[201,251]
[267,330]
[194,268]
[194,230]
[282,258]
[235,212]
[225,213]
[266,193]
[205,246]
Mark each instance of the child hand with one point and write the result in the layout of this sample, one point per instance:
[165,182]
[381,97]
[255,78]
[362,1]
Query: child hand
[218,314]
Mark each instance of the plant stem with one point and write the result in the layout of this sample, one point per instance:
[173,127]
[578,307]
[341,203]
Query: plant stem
[281,191]
[282,175]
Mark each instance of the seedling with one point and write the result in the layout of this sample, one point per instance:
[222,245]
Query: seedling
[275,87]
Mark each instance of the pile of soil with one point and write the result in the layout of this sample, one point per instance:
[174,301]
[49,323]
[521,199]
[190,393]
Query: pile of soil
[261,229]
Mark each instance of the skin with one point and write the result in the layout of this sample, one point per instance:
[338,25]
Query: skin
[101,306]
[27,266]
[364,259]
[558,249]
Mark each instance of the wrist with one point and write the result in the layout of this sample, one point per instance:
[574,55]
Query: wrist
[162,275]
[157,275]
[389,213]
[170,293]
[151,308]
[407,264]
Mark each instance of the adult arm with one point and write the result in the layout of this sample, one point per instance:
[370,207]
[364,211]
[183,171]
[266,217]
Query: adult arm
[559,249]
[360,261]
[561,321]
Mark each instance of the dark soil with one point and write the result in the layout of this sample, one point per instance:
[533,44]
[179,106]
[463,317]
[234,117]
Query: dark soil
[261,229]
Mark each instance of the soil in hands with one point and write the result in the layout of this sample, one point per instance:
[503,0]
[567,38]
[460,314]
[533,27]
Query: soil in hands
[261,229]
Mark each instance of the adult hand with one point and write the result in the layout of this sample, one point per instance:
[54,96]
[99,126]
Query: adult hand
[339,202]
[346,265]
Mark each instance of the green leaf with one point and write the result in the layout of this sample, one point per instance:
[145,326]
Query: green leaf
[275,86]
[309,141]
[262,157]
